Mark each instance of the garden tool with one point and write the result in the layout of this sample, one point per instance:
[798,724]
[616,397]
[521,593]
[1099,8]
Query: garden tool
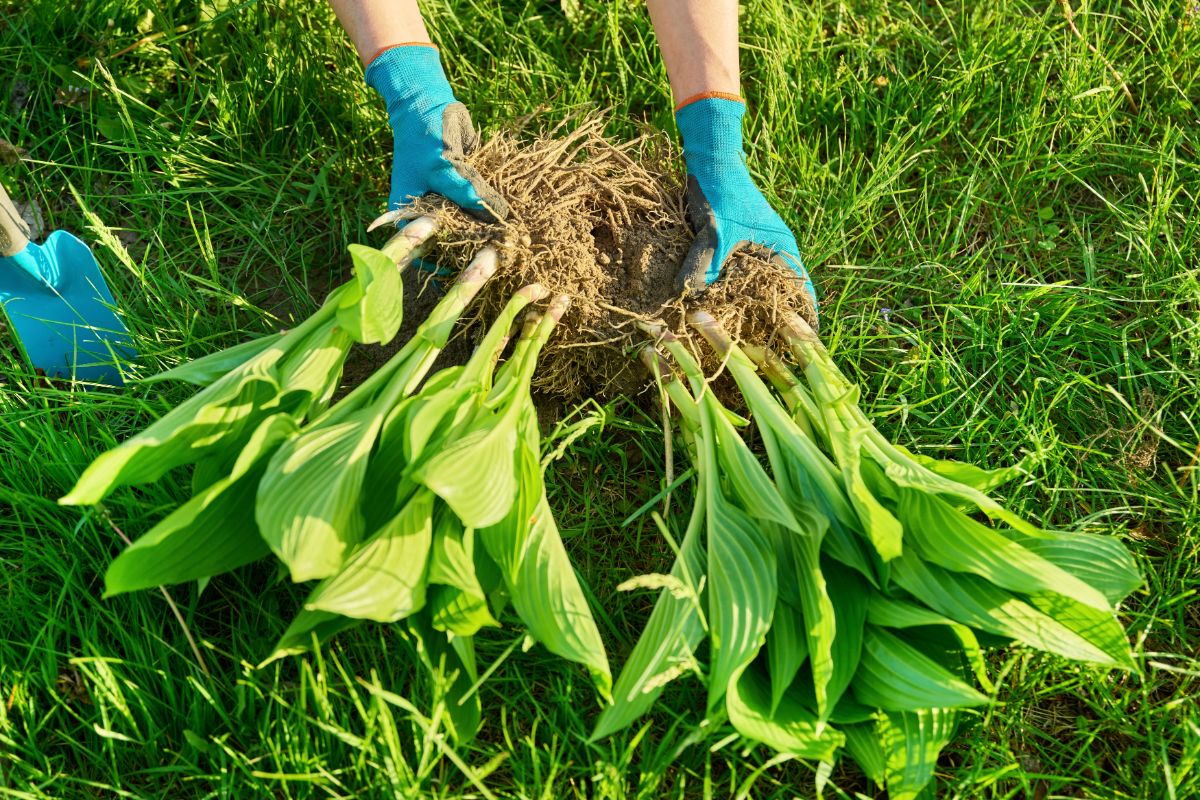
[59,305]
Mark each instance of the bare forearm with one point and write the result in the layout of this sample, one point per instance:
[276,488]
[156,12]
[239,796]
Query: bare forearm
[699,43]
[376,24]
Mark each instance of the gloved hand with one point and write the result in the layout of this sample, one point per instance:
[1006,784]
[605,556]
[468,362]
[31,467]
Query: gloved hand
[725,209]
[432,133]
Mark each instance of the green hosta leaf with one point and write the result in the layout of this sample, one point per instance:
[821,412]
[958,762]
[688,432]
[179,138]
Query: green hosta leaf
[887,612]
[551,603]
[983,480]
[742,586]
[1101,628]
[911,742]
[210,368]
[849,598]
[307,506]
[862,743]
[787,648]
[211,533]
[882,528]
[1102,562]
[216,418]
[787,728]
[664,650]
[458,612]
[820,624]
[475,472]
[384,580]
[459,603]
[805,477]
[748,482]
[307,627]
[973,601]
[896,676]
[372,308]
[507,541]
[313,371]
[943,535]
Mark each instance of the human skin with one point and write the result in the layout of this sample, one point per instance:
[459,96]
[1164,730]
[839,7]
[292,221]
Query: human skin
[698,38]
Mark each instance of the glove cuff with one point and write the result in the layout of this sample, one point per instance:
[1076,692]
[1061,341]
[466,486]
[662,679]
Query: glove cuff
[711,128]
[410,77]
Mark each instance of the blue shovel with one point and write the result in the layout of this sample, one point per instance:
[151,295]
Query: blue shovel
[59,305]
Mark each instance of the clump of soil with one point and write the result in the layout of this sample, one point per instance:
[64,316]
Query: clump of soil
[604,223]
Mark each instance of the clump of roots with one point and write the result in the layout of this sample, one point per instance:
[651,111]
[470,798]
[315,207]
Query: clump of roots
[603,223]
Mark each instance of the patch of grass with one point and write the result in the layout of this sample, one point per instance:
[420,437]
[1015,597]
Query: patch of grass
[1007,257]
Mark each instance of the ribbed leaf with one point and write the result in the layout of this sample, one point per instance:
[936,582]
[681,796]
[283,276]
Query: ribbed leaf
[474,472]
[371,309]
[881,527]
[212,533]
[1102,562]
[742,581]
[541,581]
[896,676]
[207,369]
[973,601]
[849,598]
[820,623]
[943,535]
[887,612]
[911,742]
[384,580]
[862,743]
[787,728]
[311,373]
[457,602]
[978,478]
[787,649]
[218,418]
[1101,628]
[668,639]
[551,603]
[307,507]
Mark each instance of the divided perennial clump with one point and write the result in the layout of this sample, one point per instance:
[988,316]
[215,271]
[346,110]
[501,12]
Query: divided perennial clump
[411,498]
[841,595]
[834,597]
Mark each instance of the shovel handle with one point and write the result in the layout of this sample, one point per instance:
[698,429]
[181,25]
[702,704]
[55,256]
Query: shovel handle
[14,235]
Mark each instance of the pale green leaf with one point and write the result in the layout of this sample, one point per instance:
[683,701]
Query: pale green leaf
[1102,562]
[217,418]
[307,626]
[384,579]
[742,586]
[210,368]
[943,535]
[787,649]
[787,728]
[887,612]
[371,311]
[307,508]
[212,533]
[911,742]
[973,601]
[667,641]
[895,676]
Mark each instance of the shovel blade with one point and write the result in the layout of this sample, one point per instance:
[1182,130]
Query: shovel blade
[60,307]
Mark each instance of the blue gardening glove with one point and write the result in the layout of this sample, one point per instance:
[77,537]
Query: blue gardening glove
[725,209]
[432,133]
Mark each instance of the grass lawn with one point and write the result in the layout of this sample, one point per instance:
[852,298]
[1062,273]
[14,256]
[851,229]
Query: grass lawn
[1007,247]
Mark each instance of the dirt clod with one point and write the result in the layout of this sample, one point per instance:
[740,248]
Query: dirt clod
[604,223]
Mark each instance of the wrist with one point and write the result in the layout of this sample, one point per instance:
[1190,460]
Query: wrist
[710,125]
[410,77]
